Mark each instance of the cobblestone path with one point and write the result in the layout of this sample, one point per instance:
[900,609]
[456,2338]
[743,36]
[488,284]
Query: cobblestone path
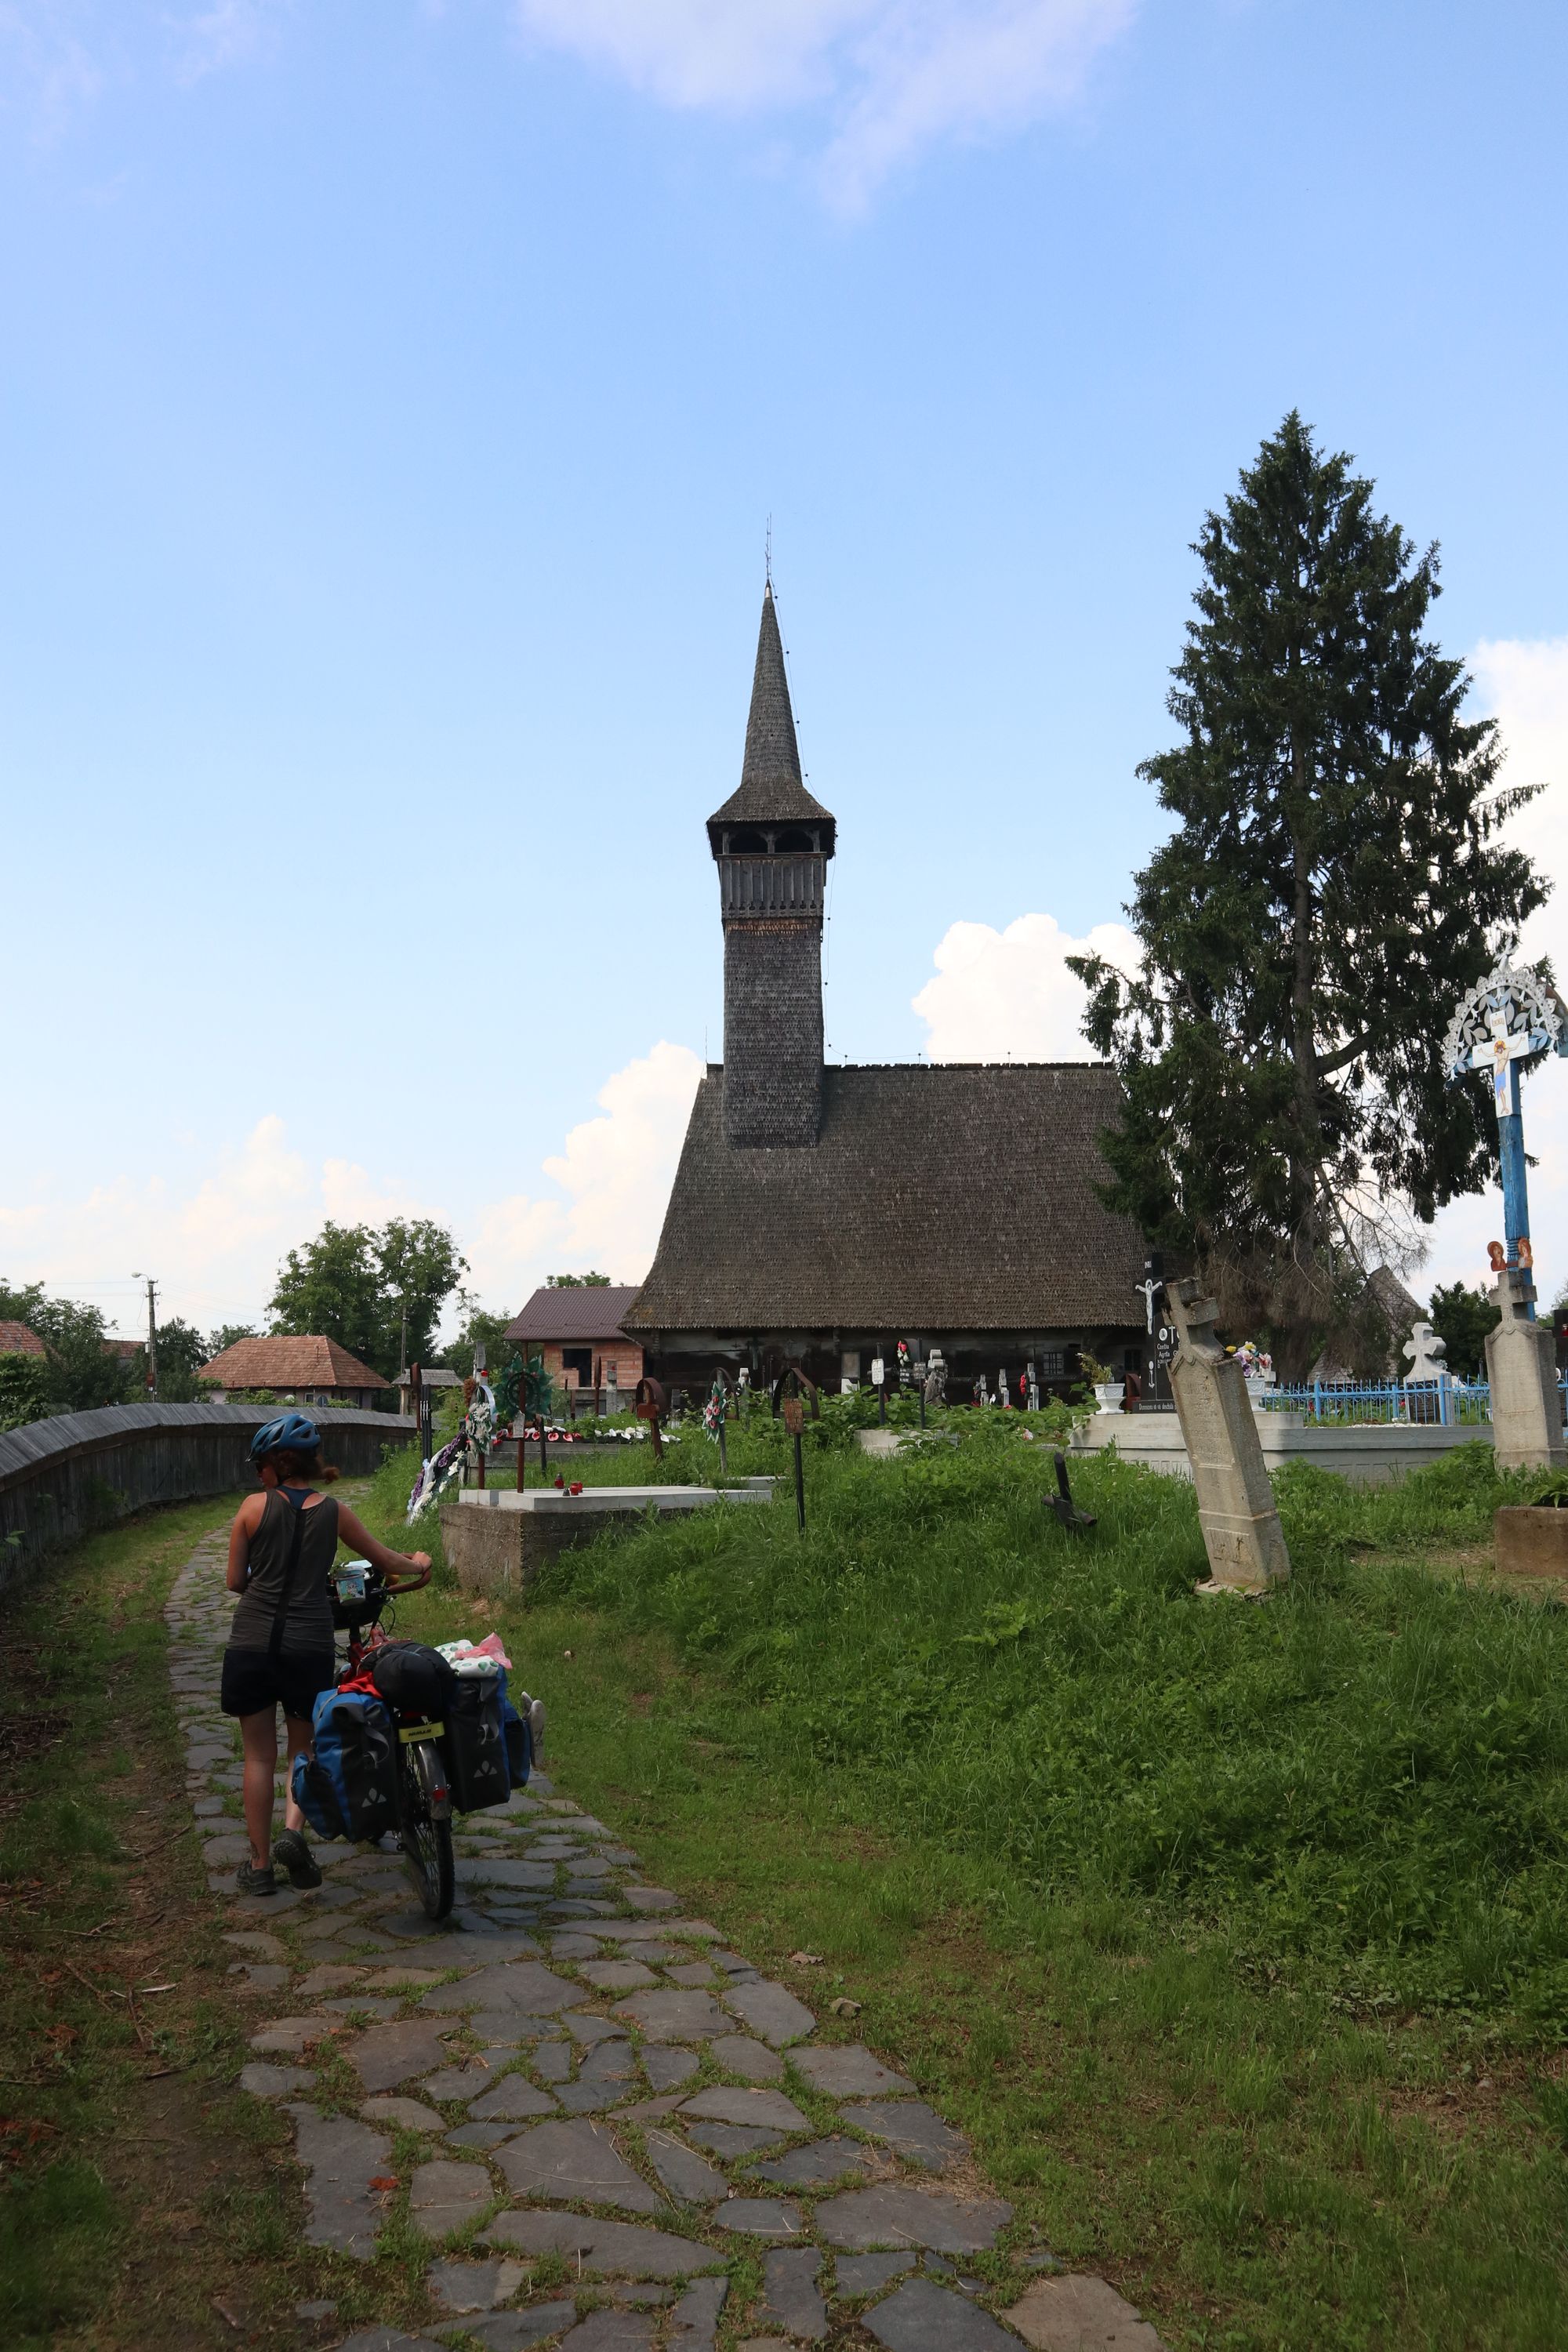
[573,2076]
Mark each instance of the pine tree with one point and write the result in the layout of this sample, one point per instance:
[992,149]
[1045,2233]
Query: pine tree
[1334,882]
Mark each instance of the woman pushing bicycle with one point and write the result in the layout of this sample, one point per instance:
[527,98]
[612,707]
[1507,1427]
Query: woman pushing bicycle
[281,1548]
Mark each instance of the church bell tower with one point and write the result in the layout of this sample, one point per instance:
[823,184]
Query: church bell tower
[771,841]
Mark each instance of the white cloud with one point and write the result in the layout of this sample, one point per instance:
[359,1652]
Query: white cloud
[1524,684]
[216,1246]
[892,76]
[1008,996]
[614,1175]
[228,33]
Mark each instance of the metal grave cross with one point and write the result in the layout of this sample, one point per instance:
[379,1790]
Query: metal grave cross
[1511,1015]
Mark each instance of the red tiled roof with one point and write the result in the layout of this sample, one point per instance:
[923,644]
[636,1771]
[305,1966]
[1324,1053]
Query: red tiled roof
[311,1362]
[15,1340]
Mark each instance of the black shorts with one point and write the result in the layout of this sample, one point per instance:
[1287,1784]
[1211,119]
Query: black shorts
[254,1684]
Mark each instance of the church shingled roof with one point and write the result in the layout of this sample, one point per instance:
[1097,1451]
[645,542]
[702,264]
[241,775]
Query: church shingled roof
[940,1198]
[771,789]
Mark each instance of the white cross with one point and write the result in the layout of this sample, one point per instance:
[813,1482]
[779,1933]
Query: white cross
[1505,1045]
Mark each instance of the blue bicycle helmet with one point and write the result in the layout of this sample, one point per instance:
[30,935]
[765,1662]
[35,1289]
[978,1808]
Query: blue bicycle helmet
[291,1429]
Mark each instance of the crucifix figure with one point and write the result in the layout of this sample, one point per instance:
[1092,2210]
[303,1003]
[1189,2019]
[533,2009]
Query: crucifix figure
[1510,1015]
[1148,1291]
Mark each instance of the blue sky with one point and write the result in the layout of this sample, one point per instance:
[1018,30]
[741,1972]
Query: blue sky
[395,398]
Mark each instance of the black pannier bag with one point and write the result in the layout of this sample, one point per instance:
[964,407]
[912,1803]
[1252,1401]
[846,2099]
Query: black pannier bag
[475,1744]
[349,1787]
[411,1677]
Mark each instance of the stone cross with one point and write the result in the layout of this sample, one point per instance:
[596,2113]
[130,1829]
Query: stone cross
[1242,1534]
[1521,1365]
[1426,1351]
[1003,1393]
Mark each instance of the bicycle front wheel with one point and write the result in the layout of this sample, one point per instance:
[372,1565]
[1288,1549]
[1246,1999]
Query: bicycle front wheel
[426,1844]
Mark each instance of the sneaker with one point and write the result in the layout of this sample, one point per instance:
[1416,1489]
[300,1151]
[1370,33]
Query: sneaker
[290,1850]
[253,1878]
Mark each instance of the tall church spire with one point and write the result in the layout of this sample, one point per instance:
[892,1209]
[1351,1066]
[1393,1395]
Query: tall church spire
[771,789]
[772,841]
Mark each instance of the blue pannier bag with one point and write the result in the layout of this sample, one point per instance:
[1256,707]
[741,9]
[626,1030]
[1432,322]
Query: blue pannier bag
[519,1739]
[348,1789]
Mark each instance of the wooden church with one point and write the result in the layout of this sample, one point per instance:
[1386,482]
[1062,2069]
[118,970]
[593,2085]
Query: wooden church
[820,1216]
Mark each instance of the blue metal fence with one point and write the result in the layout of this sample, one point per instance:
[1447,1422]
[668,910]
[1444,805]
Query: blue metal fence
[1443,1404]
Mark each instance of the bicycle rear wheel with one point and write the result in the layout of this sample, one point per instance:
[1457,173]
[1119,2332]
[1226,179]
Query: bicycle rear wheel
[426,1842]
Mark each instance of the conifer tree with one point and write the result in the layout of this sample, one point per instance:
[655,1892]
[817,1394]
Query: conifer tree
[1334,882]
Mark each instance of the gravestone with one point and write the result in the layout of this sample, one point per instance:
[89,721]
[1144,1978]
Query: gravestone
[1426,1352]
[1242,1534]
[1527,1411]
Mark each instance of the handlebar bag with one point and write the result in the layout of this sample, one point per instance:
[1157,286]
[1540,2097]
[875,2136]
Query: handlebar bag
[349,1787]
[411,1677]
[474,1748]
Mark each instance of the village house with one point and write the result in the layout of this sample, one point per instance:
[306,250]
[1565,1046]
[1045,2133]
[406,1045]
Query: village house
[297,1370]
[577,1328]
[821,1216]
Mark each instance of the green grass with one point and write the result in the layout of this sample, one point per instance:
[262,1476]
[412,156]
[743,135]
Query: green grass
[1235,1935]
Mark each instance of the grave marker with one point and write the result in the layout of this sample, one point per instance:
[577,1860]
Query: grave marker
[1242,1534]
[1521,1365]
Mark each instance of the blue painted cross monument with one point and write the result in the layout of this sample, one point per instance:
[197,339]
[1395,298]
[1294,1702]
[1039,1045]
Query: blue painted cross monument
[1508,1016]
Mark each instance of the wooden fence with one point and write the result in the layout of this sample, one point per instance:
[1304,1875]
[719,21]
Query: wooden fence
[63,1478]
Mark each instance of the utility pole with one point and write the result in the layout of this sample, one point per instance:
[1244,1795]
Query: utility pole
[151,1334]
[403,1342]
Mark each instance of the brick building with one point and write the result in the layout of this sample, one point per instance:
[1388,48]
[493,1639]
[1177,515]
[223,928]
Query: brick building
[818,1216]
[578,1331]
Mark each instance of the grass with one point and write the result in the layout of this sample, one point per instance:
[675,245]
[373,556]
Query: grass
[145,2204]
[1236,1936]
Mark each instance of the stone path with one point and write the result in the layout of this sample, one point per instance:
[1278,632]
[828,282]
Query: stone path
[589,2107]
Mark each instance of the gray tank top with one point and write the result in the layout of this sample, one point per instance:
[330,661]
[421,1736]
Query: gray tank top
[307,1626]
